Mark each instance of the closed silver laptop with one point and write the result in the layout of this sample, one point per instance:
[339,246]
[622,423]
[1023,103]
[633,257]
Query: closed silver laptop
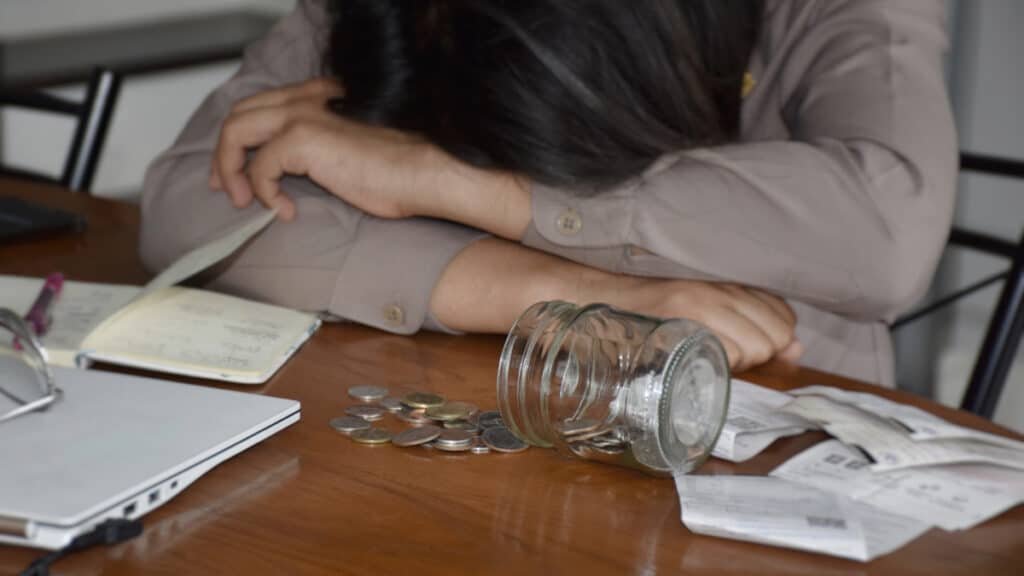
[118,446]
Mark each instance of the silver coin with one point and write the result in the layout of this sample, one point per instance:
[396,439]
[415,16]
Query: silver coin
[607,440]
[611,450]
[416,436]
[464,447]
[392,403]
[450,437]
[368,413]
[368,393]
[503,440]
[479,447]
[599,433]
[581,426]
[489,419]
[349,424]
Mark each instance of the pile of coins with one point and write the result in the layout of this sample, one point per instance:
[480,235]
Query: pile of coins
[590,439]
[433,423]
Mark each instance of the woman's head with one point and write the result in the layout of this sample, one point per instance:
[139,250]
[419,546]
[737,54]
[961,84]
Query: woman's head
[579,93]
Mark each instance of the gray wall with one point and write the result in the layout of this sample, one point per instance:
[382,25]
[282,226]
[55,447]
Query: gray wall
[987,83]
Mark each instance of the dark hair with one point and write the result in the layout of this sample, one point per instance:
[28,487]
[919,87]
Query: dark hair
[579,93]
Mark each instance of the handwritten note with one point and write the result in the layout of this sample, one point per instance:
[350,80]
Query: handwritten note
[197,332]
[80,307]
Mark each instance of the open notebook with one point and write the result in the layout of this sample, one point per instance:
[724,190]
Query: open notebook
[169,328]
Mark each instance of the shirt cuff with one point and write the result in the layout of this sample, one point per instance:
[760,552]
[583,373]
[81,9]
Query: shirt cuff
[572,218]
[389,275]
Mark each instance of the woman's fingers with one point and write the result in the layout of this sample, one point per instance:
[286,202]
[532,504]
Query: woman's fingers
[753,344]
[241,132]
[778,304]
[273,161]
[774,323]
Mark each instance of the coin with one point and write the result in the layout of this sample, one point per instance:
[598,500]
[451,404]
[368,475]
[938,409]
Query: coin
[490,420]
[422,400]
[349,424]
[414,417]
[450,437]
[600,432]
[416,436]
[479,447]
[368,413]
[464,447]
[391,404]
[371,436]
[368,393]
[451,411]
[610,449]
[581,426]
[502,440]
[462,425]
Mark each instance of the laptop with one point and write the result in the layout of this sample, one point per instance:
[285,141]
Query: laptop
[119,446]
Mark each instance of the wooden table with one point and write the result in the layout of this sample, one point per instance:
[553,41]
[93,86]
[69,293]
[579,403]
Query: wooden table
[309,501]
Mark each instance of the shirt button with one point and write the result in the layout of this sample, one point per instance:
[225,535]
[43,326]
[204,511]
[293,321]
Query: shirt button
[394,315]
[569,223]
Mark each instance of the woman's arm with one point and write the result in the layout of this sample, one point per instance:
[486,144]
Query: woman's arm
[849,213]
[335,257]
[491,282]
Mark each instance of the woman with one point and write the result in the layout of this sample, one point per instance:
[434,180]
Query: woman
[491,154]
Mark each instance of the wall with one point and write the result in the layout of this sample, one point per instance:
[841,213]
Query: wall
[988,79]
[152,108]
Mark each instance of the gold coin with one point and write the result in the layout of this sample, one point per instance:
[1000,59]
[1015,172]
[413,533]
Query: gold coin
[422,400]
[451,411]
[371,436]
[416,436]
[462,425]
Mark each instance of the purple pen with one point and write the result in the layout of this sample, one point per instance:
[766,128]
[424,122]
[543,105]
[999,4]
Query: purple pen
[38,316]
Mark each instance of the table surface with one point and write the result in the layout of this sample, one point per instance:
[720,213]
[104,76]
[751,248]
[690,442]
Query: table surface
[310,501]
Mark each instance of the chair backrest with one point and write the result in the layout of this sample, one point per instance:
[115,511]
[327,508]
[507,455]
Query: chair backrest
[1006,324]
[92,116]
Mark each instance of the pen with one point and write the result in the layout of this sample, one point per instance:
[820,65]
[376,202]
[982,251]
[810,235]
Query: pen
[38,316]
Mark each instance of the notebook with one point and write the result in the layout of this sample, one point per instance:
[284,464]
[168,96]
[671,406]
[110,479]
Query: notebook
[169,328]
[119,446]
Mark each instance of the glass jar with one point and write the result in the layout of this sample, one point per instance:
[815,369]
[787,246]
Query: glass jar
[602,384]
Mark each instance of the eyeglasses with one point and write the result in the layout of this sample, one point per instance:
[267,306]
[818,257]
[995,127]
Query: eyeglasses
[26,381]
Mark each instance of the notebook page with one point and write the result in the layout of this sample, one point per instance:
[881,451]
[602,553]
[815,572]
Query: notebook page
[199,333]
[209,254]
[80,307]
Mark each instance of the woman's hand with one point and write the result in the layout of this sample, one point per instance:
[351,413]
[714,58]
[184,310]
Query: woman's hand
[492,281]
[754,326]
[380,171]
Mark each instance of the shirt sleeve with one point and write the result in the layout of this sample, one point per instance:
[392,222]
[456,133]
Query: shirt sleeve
[848,212]
[332,258]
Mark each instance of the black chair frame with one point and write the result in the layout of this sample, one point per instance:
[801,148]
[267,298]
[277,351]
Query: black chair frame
[93,116]
[1003,335]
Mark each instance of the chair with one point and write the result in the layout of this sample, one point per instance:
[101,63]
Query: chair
[93,118]
[1003,334]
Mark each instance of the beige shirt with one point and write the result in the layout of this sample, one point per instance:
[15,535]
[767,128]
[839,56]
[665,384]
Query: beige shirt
[839,196]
